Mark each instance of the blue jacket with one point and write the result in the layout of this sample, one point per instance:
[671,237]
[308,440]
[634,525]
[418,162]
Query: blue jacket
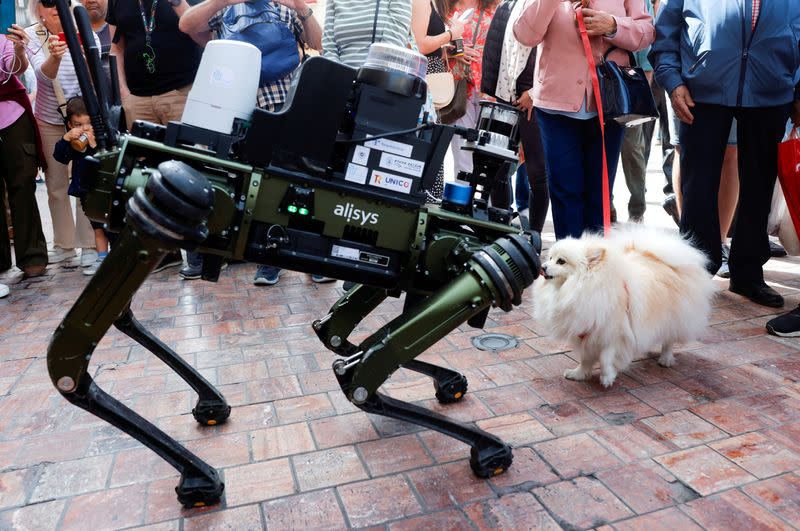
[708,46]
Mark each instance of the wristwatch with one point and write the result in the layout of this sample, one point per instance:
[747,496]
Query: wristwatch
[305,17]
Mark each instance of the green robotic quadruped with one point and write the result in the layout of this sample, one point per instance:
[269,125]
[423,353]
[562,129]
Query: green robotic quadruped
[333,184]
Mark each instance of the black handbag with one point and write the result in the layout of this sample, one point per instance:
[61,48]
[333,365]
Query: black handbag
[625,92]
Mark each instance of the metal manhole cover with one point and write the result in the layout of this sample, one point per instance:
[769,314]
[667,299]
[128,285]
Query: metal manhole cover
[495,342]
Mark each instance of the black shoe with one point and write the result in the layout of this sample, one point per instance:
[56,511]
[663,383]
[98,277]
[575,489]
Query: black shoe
[670,205]
[759,293]
[348,285]
[776,250]
[613,214]
[786,325]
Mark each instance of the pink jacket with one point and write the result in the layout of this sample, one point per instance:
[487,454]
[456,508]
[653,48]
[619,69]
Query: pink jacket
[562,74]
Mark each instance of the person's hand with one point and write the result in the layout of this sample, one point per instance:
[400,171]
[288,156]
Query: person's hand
[683,103]
[470,54]
[18,36]
[525,103]
[796,113]
[598,22]
[73,134]
[92,141]
[56,48]
[457,29]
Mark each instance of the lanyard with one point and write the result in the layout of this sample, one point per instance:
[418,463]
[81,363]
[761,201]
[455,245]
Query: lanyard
[149,55]
[587,48]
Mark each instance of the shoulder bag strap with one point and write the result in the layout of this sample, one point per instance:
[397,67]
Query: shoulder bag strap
[375,21]
[477,28]
[41,32]
[587,48]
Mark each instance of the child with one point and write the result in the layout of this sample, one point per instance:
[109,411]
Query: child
[75,146]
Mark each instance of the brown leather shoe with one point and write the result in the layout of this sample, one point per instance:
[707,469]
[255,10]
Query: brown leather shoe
[33,271]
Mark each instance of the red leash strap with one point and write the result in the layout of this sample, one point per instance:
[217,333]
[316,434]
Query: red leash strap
[587,48]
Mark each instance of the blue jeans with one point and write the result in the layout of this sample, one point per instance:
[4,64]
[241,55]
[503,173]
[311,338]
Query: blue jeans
[573,157]
[522,189]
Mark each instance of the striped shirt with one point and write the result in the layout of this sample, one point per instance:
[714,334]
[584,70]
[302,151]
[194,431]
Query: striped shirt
[45,107]
[348,27]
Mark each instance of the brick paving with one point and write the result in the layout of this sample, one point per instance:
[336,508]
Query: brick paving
[711,443]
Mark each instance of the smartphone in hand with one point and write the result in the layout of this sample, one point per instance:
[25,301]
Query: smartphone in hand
[63,38]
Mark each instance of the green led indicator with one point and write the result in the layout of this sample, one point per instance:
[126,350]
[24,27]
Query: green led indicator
[303,211]
[292,209]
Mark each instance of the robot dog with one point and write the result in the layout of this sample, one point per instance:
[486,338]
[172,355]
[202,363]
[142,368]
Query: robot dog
[333,184]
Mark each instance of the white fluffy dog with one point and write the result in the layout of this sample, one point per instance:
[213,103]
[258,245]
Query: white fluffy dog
[617,298]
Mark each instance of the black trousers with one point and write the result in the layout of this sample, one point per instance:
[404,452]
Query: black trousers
[703,143]
[539,200]
[18,167]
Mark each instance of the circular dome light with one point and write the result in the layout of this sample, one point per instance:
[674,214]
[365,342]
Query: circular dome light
[390,57]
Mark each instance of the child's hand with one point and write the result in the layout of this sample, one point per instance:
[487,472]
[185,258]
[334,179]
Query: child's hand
[92,141]
[73,134]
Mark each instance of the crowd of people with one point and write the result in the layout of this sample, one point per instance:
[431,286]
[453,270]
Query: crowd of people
[725,81]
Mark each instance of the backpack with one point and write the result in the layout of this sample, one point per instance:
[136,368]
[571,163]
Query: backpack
[260,24]
[493,50]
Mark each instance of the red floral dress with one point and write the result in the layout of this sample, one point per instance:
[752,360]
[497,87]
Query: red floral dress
[473,72]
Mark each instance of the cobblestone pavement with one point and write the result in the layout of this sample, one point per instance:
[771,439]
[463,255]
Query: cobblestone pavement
[713,442]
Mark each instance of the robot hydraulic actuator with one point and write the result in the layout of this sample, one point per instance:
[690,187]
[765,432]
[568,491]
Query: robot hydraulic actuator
[332,184]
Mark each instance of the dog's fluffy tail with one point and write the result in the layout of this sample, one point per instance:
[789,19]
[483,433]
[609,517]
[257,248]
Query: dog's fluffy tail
[668,246]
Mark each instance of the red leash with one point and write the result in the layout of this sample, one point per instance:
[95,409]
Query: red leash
[587,48]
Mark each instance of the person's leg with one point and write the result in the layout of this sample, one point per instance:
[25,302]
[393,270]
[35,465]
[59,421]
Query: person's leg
[759,132]
[56,179]
[673,130]
[139,108]
[84,233]
[667,149]
[18,168]
[462,160]
[168,107]
[563,150]
[702,151]
[522,189]
[728,190]
[648,128]
[593,168]
[539,200]
[634,166]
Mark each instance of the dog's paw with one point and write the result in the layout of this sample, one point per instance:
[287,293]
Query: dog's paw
[575,374]
[607,378]
[666,361]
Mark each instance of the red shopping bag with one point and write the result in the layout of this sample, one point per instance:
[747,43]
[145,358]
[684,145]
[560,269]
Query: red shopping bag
[789,174]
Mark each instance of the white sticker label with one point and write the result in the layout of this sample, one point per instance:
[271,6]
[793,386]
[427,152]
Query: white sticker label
[402,164]
[389,181]
[348,253]
[222,76]
[398,148]
[361,155]
[356,174]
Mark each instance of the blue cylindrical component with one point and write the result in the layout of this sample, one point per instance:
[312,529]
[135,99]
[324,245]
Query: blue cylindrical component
[457,194]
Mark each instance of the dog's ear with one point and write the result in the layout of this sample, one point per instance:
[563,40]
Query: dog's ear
[595,255]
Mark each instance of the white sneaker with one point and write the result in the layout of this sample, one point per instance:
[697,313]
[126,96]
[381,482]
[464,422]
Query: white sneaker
[88,257]
[92,269]
[4,291]
[57,254]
